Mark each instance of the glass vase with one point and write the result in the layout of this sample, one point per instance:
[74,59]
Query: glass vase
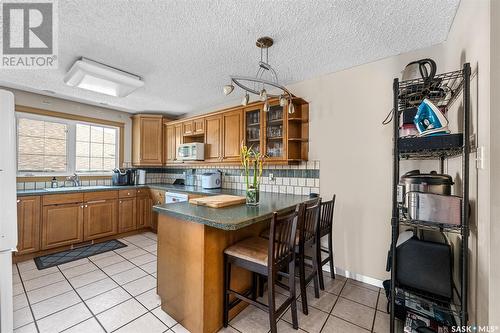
[252,196]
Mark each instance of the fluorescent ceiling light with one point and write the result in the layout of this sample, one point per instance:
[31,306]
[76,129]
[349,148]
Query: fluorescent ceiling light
[94,76]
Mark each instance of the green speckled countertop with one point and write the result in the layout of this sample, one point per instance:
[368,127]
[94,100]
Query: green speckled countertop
[228,218]
[233,217]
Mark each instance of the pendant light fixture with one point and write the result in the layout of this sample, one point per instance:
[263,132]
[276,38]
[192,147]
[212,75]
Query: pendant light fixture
[265,79]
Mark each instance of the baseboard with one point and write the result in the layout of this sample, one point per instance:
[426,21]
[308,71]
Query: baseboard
[355,276]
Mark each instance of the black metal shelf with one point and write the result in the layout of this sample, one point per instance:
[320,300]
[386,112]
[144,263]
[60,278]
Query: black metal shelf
[431,225]
[443,90]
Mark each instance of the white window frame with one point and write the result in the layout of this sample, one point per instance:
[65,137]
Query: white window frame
[70,146]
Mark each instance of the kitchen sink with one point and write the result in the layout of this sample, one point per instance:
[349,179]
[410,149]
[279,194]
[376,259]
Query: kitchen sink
[75,188]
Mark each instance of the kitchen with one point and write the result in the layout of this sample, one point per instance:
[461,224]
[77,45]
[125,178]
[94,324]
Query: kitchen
[148,194]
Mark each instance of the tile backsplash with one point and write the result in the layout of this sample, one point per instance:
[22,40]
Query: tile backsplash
[301,179]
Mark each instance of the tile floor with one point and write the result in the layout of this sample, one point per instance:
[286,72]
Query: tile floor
[116,292]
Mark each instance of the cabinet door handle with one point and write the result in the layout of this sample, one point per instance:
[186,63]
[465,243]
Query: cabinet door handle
[81,206]
[94,202]
[86,206]
[18,201]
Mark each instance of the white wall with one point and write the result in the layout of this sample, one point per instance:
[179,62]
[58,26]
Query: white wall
[56,104]
[355,152]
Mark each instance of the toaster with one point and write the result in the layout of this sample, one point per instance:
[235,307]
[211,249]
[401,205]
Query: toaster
[211,180]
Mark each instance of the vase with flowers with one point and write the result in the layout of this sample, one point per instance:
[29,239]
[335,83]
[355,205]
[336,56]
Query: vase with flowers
[252,163]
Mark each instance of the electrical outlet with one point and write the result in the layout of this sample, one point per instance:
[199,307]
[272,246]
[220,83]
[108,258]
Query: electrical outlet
[271,177]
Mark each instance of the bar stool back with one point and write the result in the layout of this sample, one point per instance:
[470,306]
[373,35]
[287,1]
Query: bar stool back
[267,258]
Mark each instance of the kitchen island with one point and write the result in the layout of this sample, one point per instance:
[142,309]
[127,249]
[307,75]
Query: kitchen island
[191,241]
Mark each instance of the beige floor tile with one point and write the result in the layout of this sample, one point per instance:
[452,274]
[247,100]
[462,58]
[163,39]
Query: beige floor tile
[146,323]
[334,286]
[118,267]
[178,328]
[251,320]
[362,284]
[102,255]
[133,253]
[149,299]
[145,243]
[150,235]
[382,302]
[135,238]
[96,288]
[337,325]
[49,291]
[127,248]
[64,319]
[354,312]
[54,304]
[144,259]
[150,267]
[88,326]
[26,265]
[286,327]
[22,317]
[73,263]
[87,278]
[20,301]
[325,301]
[35,273]
[128,276]
[17,289]
[151,248]
[312,323]
[382,322]
[110,260]
[361,295]
[79,270]
[121,314]
[30,328]
[140,285]
[164,317]
[43,281]
[107,300]
[16,278]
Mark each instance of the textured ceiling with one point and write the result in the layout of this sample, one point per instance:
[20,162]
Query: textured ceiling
[185,50]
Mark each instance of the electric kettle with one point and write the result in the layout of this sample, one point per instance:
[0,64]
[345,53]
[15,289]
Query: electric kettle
[420,69]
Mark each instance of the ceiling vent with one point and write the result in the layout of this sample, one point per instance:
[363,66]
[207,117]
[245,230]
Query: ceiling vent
[94,76]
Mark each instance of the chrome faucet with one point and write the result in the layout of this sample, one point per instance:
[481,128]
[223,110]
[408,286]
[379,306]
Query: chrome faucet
[75,179]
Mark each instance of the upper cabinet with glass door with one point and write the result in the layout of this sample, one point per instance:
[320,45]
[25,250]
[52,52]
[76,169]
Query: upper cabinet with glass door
[253,127]
[275,132]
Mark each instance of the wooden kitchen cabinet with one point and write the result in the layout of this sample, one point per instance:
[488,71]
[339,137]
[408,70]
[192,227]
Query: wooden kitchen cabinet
[232,129]
[100,219]
[28,224]
[127,214]
[213,138]
[147,140]
[198,126]
[62,224]
[187,128]
[144,211]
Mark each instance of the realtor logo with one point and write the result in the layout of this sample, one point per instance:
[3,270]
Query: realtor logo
[29,31]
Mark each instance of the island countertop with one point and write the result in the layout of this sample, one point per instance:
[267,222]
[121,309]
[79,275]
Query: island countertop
[233,217]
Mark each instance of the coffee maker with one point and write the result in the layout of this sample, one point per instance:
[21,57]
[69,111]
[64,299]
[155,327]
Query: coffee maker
[123,177]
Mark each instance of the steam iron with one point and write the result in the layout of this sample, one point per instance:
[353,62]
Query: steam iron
[430,120]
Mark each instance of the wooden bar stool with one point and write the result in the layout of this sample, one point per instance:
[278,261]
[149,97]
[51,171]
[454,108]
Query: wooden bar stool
[307,230]
[265,258]
[325,228]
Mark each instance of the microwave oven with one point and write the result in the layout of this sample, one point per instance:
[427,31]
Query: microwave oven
[191,152]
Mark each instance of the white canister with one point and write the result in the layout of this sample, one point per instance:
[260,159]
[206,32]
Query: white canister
[141,177]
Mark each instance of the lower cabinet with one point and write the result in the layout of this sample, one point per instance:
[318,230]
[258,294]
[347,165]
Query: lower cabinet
[62,224]
[144,210]
[127,214]
[28,224]
[100,219]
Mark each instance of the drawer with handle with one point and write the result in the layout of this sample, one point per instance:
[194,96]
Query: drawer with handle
[127,193]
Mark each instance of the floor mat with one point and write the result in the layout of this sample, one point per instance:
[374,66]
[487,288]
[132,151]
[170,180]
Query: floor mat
[59,258]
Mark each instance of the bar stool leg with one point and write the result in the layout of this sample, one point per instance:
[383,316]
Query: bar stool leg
[315,271]
[320,265]
[254,285]
[227,284]
[302,282]
[330,255]
[291,286]
[271,302]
